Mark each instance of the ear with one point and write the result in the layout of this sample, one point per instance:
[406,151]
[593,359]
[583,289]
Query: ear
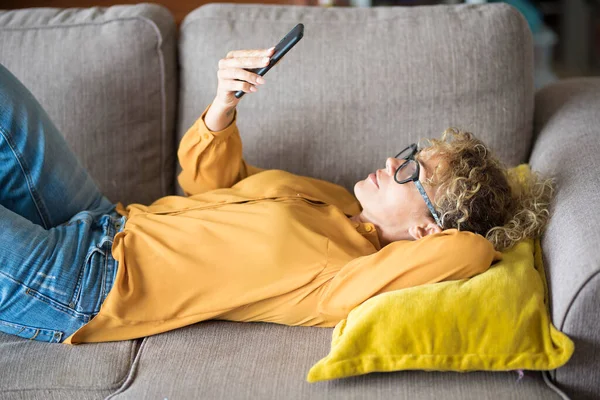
[422,230]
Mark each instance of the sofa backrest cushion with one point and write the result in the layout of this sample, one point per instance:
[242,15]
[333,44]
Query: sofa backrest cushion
[365,82]
[106,77]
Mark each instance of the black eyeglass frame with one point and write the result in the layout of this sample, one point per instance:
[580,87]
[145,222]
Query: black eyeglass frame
[414,149]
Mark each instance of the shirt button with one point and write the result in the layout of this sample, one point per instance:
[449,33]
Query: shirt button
[368,228]
[206,136]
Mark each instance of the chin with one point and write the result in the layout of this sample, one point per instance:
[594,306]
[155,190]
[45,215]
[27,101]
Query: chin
[359,190]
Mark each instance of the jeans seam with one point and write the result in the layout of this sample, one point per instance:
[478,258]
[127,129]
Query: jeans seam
[46,332]
[24,168]
[103,283]
[56,305]
[77,293]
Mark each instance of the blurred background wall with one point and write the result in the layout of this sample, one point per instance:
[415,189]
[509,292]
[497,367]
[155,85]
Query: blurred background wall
[566,32]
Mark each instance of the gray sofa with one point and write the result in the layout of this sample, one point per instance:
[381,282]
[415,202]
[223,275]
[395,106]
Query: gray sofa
[123,85]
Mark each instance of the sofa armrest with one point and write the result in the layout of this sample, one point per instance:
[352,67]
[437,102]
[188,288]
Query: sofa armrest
[567,146]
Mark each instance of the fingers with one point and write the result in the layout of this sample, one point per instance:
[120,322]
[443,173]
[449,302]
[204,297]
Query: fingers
[234,74]
[240,74]
[244,62]
[234,86]
[251,53]
[247,58]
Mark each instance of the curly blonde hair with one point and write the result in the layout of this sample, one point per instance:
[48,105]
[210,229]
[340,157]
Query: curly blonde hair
[475,192]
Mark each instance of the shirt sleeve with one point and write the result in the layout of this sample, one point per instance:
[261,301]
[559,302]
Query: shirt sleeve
[449,255]
[211,160]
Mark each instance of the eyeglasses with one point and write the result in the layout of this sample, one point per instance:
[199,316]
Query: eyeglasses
[409,171]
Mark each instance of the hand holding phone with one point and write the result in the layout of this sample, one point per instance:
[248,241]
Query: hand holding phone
[241,71]
[281,49]
[233,77]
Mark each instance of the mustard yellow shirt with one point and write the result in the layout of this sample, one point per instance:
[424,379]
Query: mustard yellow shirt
[248,244]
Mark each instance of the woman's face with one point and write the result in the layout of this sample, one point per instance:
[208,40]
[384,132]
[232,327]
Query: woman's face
[392,206]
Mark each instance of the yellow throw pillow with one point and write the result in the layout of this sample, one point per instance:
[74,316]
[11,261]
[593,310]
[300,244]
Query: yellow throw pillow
[495,321]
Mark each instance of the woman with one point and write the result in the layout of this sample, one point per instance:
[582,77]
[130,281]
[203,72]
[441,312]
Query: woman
[245,244]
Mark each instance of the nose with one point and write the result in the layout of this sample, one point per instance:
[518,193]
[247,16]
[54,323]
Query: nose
[391,164]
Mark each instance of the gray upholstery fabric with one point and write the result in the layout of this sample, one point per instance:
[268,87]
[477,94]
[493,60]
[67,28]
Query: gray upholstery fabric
[567,125]
[30,369]
[365,82]
[55,394]
[107,79]
[269,361]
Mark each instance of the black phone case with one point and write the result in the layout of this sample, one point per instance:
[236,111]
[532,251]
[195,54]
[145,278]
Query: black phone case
[281,49]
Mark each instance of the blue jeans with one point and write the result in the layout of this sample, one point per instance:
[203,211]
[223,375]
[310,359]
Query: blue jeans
[56,227]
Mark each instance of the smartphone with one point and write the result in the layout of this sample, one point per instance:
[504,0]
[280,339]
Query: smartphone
[281,49]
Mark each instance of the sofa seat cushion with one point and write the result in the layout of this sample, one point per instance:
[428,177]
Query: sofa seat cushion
[106,77]
[79,372]
[258,360]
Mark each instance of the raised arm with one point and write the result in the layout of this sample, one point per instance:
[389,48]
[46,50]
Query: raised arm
[445,256]
[210,153]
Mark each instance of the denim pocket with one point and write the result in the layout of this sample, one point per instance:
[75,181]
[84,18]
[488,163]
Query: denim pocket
[31,333]
[90,285]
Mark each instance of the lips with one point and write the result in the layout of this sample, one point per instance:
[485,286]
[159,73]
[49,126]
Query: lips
[373,179]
